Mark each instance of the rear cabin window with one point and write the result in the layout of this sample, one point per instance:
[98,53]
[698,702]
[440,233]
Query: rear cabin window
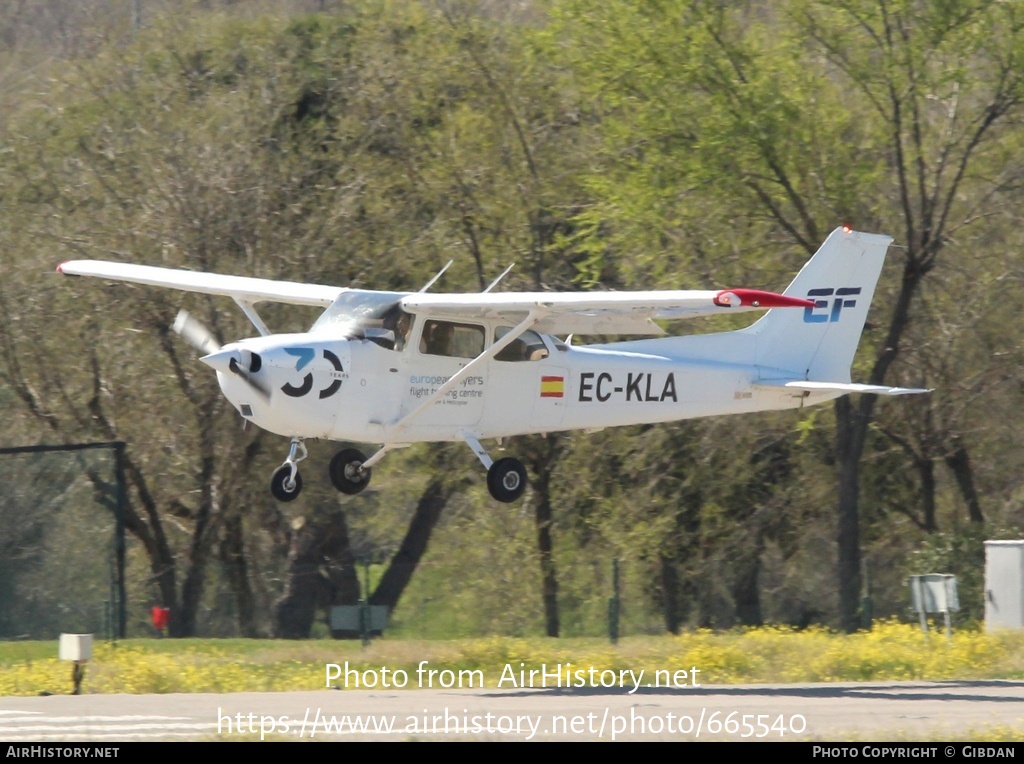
[528,346]
[447,338]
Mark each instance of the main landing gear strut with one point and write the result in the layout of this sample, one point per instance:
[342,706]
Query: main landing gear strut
[506,478]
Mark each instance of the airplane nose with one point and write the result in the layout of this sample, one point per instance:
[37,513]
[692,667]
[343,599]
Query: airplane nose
[241,363]
[221,360]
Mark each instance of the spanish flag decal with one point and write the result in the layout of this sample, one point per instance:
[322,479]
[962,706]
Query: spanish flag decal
[552,387]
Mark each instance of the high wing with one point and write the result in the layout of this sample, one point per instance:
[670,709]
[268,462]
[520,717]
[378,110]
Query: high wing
[242,288]
[556,312]
[597,312]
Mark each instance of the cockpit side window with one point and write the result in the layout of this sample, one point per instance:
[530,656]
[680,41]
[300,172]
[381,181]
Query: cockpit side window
[528,346]
[451,339]
[399,324]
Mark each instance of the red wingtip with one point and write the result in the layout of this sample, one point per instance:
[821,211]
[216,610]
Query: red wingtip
[756,298]
[60,268]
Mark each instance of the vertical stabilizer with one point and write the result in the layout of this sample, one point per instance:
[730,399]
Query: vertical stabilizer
[818,344]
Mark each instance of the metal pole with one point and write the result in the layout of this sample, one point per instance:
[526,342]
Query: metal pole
[122,499]
[920,598]
[364,611]
[613,604]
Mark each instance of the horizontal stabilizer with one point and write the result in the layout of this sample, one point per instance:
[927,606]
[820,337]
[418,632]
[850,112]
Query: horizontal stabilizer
[844,387]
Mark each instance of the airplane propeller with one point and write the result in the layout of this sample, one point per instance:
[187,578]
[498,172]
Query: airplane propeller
[195,333]
[199,336]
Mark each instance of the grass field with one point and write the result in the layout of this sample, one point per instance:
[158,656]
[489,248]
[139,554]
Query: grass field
[891,651]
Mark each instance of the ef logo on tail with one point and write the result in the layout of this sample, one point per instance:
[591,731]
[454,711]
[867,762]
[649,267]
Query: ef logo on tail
[817,315]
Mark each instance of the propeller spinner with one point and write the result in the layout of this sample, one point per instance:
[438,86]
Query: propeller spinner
[241,363]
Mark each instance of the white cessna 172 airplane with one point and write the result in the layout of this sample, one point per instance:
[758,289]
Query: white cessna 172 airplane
[398,368]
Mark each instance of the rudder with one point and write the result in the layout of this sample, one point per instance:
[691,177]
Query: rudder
[818,344]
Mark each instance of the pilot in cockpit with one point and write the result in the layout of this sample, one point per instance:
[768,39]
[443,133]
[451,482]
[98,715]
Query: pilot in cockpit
[397,323]
[402,327]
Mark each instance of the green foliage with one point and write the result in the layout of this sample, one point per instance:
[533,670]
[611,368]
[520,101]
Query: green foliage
[631,144]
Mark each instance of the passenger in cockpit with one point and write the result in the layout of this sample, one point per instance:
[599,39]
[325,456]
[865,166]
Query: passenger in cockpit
[439,341]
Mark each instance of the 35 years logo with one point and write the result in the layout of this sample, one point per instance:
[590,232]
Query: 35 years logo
[305,356]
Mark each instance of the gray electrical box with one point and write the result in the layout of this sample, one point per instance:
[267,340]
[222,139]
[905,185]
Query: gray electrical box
[1004,585]
[934,593]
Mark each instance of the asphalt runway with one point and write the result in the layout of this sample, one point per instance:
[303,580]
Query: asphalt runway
[841,712]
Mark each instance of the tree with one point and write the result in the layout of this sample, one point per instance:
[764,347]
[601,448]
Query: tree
[712,107]
[126,159]
[318,148]
[950,79]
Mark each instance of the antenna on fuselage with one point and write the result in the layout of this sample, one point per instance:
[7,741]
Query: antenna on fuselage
[439,274]
[504,273]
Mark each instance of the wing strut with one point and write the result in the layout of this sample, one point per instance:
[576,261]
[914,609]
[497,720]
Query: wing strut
[535,315]
[250,312]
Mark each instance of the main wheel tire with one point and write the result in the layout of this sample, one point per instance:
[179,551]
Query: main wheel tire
[345,471]
[506,479]
[279,484]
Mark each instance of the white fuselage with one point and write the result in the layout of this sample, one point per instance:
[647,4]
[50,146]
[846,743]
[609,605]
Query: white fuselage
[358,390]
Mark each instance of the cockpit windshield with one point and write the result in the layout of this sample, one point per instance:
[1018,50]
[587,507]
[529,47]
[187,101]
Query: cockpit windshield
[374,316]
[357,314]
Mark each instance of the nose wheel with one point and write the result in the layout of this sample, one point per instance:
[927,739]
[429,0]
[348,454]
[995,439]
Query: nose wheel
[286,482]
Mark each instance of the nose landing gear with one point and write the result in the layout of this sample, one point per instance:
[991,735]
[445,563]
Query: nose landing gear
[286,482]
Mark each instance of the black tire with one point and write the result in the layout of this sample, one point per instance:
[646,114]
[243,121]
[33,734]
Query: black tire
[278,488]
[345,473]
[506,479]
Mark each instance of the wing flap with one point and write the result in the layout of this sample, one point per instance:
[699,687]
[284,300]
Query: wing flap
[243,288]
[599,324]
